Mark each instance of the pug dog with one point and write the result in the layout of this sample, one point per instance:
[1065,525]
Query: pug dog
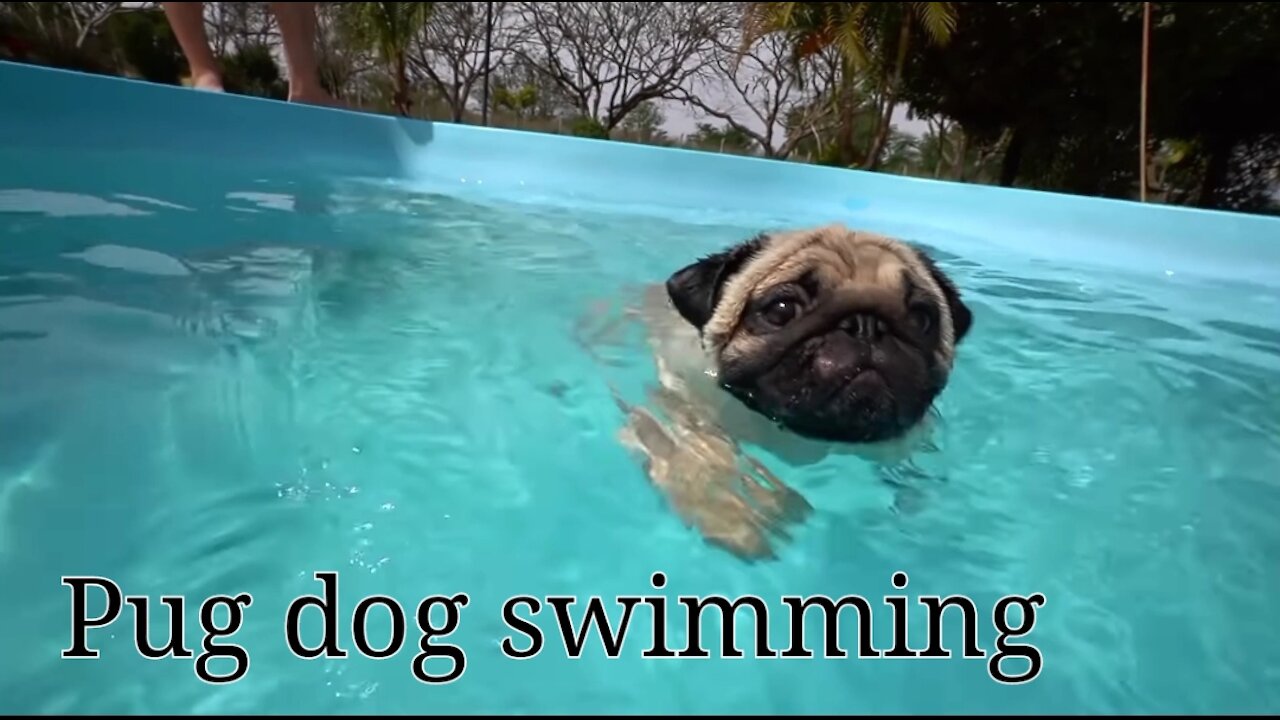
[805,343]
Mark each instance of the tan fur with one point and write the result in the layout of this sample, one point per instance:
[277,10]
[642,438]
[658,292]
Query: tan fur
[843,256]
[693,437]
[686,368]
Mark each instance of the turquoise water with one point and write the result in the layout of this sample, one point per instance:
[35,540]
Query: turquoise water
[221,380]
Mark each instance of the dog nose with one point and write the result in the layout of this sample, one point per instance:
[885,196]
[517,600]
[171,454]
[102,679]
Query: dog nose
[864,325]
[839,356]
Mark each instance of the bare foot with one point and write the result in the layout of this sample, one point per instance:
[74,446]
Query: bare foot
[314,96]
[209,81]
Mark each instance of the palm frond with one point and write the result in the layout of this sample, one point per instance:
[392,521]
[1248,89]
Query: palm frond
[855,29]
[387,28]
[764,18]
[851,37]
[937,18]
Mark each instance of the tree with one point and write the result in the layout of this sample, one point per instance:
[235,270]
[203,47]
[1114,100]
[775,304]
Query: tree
[71,22]
[902,154]
[388,29]
[938,20]
[938,148]
[1215,74]
[721,139]
[143,42]
[342,62]
[588,127]
[252,70]
[233,26]
[66,24]
[754,90]
[1045,73]
[875,37]
[645,123]
[1146,84]
[60,34]
[1057,81]
[838,124]
[518,102]
[609,57]
[450,50]
[546,99]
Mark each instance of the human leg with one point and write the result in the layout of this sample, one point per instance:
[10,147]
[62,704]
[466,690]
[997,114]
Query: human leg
[187,21]
[297,22]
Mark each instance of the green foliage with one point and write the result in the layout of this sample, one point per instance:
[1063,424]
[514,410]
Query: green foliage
[1062,80]
[332,73]
[519,101]
[721,139]
[588,127]
[850,135]
[902,153]
[1215,77]
[873,39]
[547,99]
[937,18]
[645,123]
[1033,94]
[144,43]
[812,26]
[253,71]
[387,29]
[861,31]
[48,34]
[12,45]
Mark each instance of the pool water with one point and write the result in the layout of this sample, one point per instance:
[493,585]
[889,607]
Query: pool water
[221,379]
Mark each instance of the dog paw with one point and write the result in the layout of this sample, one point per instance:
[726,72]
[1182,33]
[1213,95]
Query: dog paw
[749,518]
[732,500]
[739,535]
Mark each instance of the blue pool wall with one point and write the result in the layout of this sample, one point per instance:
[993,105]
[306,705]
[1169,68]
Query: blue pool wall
[44,107]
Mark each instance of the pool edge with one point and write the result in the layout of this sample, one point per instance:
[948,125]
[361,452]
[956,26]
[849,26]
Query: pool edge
[573,169]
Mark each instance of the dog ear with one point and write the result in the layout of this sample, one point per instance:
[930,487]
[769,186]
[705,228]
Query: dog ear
[961,316]
[695,289]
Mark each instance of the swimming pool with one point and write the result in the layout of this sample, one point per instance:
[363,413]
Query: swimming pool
[245,342]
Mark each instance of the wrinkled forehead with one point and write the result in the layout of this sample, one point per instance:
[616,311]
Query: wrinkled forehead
[841,265]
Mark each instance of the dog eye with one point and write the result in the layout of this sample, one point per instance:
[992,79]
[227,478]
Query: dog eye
[921,318]
[780,311]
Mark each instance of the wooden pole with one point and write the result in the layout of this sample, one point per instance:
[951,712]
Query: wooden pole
[1142,118]
[488,42]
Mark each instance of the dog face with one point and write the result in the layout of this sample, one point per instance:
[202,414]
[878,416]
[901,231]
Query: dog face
[836,335]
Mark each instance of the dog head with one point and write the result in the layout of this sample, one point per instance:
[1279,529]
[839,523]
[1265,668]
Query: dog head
[835,334]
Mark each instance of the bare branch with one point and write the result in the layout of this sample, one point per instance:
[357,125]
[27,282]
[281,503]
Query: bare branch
[450,50]
[233,26]
[610,57]
[66,22]
[87,16]
[755,90]
[342,63]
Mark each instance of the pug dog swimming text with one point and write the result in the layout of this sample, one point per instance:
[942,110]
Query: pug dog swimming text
[687,626]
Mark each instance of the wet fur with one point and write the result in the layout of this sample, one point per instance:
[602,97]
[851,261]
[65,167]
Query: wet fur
[690,432]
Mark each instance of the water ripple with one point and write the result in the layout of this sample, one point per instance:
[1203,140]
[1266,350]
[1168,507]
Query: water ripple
[384,382]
